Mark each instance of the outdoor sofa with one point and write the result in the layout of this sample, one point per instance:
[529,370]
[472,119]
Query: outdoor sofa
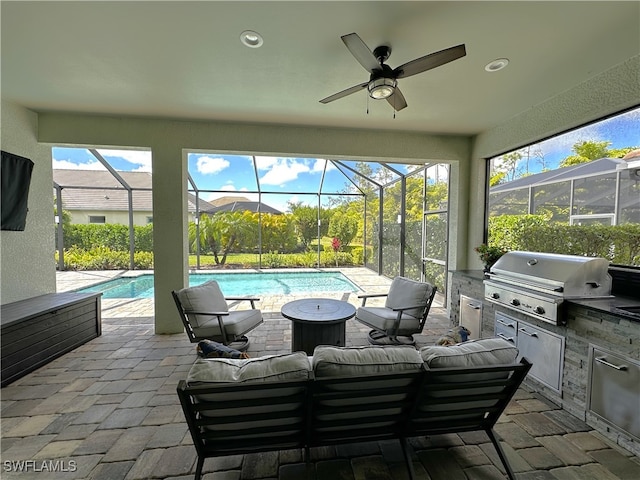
[347,395]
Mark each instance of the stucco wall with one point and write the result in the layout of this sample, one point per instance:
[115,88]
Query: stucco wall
[28,266]
[111,216]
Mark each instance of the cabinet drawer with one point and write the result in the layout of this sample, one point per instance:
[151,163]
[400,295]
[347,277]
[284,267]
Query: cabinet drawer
[614,389]
[506,328]
[545,351]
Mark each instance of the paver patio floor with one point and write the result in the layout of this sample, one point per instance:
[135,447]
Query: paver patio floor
[109,410]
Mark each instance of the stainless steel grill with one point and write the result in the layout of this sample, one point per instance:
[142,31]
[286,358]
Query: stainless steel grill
[537,284]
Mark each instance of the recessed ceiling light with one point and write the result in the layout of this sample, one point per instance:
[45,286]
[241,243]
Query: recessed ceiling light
[251,39]
[496,65]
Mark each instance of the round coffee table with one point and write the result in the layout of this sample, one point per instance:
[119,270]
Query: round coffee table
[317,321]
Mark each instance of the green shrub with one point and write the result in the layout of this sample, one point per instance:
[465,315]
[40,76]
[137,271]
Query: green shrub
[272,260]
[143,260]
[618,243]
[113,236]
[104,258]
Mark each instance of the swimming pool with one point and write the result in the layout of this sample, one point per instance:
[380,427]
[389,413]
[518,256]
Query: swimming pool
[235,284]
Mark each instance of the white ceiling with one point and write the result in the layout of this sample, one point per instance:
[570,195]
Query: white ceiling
[185,60]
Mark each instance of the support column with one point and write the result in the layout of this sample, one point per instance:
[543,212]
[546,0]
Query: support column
[170,234]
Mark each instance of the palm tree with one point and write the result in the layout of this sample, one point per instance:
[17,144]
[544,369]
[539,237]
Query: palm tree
[218,233]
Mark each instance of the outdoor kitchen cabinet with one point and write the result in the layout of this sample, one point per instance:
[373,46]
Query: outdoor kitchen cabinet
[614,389]
[544,349]
[471,316]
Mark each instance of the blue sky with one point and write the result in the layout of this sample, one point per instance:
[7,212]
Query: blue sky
[234,174]
[621,130]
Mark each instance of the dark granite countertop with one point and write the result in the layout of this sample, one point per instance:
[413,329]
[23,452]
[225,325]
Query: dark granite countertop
[610,305]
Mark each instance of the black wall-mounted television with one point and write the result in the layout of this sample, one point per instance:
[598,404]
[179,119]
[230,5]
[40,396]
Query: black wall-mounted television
[16,179]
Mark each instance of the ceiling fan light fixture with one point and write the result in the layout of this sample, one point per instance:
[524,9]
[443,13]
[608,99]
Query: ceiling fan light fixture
[381,88]
[251,39]
[497,64]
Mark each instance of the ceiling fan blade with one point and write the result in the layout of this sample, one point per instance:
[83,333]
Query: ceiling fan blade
[397,100]
[361,52]
[430,61]
[344,93]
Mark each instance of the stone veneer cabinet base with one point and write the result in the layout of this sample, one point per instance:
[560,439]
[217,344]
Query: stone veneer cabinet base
[586,327]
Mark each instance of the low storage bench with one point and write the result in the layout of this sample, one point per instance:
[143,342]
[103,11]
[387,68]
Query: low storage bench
[36,330]
[347,395]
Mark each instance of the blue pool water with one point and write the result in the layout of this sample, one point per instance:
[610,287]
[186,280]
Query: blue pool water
[235,284]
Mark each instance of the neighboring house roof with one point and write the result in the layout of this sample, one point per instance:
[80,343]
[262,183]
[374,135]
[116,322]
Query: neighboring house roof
[242,206]
[105,192]
[582,170]
[225,200]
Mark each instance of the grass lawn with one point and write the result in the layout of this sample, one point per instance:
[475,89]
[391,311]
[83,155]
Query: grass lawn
[243,260]
[275,260]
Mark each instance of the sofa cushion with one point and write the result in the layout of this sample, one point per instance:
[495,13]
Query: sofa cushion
[384,319]
[203,298]
[372,369]
[405,292]
[475,353]
[292,366]
[250,410]
[235,324]
[367,360]
[484,352]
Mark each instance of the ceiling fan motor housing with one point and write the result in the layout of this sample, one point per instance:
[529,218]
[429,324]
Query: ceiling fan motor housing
[382,53]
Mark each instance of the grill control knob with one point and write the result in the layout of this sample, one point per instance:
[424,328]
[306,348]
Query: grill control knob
[495,295]
[539,310]
[515,302]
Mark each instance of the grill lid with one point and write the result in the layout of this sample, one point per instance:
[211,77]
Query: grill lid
[565,275]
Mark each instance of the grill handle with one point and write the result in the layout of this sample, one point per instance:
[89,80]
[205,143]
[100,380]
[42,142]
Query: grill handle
[603,360]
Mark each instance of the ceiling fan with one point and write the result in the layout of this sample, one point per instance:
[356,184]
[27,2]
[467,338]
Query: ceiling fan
[383,81]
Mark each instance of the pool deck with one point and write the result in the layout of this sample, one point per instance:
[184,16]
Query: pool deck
[274,335]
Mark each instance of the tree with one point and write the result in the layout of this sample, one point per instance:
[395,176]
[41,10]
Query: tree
[343,226]
[508,163]
[497,178]
[306,222]
[219,233]
[278,233]
[586,151]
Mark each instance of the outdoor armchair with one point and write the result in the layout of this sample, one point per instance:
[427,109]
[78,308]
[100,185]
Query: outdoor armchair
[205,313]
[404,313]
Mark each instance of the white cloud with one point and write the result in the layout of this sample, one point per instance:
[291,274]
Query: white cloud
[142,158]
[266,163]
[69,165]
[211,165]
[282,171]
[319,163]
